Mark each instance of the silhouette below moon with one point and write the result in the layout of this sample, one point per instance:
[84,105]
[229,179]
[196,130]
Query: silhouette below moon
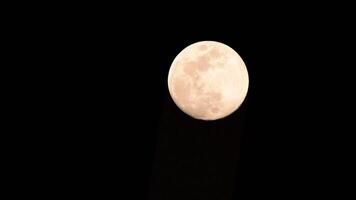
[208,80]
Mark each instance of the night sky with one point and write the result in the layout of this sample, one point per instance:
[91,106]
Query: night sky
[122,134]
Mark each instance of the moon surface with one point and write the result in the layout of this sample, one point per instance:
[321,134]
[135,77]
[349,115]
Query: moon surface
[208,80]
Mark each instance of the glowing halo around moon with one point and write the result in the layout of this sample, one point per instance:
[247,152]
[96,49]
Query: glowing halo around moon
[208,80]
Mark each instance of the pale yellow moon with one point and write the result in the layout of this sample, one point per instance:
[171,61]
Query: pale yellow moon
[208,80]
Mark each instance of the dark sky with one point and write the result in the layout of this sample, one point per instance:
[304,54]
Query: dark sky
[123,135]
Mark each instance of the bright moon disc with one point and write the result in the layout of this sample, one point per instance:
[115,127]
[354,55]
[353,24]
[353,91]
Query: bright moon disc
[208,80]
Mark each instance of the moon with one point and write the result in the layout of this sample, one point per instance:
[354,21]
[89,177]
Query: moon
[208,80]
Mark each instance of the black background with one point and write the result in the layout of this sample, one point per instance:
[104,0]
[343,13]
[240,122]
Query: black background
[118,132]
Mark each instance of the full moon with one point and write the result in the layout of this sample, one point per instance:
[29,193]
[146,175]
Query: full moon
[208,80]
